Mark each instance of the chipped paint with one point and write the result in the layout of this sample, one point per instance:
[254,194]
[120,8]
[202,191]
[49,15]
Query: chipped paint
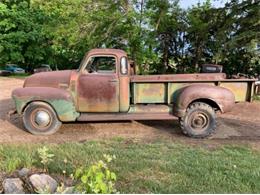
[65,110]
[150,108]
[149,93]
[239,89]
[59,99]
[222,97]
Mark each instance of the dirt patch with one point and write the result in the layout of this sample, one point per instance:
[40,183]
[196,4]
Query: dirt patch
[242,125]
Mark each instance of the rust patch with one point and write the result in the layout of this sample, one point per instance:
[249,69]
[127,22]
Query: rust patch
[98,93]
[124,93]
[149,92]
[223,97]
[49,79]
[59,99]
[174,87]
[178,77]
[41,92]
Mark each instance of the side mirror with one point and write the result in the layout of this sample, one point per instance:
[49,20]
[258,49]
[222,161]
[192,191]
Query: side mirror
[123,66]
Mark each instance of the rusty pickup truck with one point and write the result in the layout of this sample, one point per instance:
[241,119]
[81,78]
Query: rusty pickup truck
[104,88]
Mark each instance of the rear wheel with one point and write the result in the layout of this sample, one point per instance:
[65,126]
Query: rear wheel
[39,118]
[199,120]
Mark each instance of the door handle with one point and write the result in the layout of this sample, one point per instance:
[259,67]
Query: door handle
[113,80]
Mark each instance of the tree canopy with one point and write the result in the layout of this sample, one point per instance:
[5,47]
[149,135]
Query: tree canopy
[159,35]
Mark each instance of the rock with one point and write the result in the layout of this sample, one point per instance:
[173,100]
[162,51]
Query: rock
[23,172]
[43,183]
[13,186]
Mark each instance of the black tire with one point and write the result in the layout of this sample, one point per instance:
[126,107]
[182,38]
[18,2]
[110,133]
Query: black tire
[30,121]
[199,120]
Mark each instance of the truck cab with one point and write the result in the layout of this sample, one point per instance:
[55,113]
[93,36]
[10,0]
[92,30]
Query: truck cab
[104,88]
[103,82]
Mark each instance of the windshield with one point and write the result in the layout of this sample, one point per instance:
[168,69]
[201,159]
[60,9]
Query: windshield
[101,64]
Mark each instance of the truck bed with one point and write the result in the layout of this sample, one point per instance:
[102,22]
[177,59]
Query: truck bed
[200,77]
[161,89]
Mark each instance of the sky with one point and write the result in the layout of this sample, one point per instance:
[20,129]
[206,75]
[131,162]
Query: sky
[188,3]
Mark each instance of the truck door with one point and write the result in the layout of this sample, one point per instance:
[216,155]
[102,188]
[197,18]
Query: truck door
[98,85]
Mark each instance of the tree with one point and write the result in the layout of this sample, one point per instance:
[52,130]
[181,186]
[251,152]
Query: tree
[159,36]
[22,39]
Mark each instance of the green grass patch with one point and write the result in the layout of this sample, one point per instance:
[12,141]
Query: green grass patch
[158,167]
[18,76]
[256,97]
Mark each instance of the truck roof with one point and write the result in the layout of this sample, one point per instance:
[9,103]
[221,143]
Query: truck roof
[100,51]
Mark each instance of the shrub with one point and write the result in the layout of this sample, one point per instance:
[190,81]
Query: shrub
[97,178]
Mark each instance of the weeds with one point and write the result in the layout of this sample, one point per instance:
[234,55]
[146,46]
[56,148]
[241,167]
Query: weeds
[45,156]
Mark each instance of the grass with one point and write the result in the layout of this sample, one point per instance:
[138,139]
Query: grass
[157,167]
[256,97]
[18,76]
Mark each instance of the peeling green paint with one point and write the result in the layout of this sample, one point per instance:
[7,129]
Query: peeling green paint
[20,104]
[149,92]
[65,109]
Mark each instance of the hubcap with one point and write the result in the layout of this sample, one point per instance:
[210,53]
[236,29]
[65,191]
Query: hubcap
[199,121]
[42,118]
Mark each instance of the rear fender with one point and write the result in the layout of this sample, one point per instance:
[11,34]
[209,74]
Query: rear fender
[60,100]
[219,97]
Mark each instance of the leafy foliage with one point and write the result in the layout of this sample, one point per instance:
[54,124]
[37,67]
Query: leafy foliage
[159,36]
[97,178]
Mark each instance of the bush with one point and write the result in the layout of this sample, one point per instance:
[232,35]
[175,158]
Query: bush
[97,178]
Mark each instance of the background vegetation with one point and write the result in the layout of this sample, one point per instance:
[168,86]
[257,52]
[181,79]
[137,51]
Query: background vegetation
[158,34]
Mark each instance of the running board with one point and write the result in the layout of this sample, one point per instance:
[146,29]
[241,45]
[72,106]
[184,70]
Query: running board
[124,116]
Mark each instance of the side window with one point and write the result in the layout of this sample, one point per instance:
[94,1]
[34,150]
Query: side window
[101,64]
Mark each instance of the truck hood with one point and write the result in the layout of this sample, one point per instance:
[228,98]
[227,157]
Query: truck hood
[55,79]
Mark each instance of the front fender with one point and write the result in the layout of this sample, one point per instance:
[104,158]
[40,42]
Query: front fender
[222,97]
[60,100]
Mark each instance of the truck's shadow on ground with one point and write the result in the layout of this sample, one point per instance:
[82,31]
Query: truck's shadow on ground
[8,119]
[170,126]
[4,108]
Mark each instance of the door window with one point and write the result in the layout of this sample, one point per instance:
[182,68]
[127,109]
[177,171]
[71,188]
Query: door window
[101,64]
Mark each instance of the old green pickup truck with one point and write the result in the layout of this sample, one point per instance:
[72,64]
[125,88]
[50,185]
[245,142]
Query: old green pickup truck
[104,88]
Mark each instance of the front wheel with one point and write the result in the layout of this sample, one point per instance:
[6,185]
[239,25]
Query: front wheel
[39,118]
[199,120]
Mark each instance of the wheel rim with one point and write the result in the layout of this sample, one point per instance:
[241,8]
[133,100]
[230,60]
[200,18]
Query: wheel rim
[41,119]
[199,121]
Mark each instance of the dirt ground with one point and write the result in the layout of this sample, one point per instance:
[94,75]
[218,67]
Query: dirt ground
[242,125]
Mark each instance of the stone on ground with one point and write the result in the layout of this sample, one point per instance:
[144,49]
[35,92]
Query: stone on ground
[43,183]
[13,186]
[23,172]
